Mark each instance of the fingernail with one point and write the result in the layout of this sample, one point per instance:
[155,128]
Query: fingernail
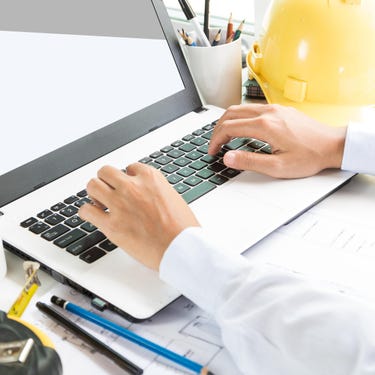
[230,158]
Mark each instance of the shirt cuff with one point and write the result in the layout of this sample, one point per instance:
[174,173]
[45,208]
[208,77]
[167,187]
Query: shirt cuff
[359,150]
[196,266]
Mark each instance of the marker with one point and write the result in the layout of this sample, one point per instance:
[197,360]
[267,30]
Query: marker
[91,340]
[238,32]
[193,20]
[217,38]
[131,336]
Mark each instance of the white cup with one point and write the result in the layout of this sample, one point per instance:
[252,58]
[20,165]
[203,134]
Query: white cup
[217,72]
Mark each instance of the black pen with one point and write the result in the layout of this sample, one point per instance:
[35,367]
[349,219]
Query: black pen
[193,20]
[206,18]
[121,361]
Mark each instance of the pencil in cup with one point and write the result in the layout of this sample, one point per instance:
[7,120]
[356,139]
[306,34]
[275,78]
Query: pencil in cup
[131,336]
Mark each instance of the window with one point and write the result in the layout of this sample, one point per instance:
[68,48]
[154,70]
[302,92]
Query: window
[219,12]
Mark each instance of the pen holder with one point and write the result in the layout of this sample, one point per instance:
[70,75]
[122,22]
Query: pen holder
[217,72]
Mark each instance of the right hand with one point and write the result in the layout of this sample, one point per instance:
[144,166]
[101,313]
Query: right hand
[301,146]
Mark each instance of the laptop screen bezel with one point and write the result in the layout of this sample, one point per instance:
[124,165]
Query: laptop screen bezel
[49,167]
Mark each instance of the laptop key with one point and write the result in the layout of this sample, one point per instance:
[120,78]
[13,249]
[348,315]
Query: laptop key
[216,167]
[58,206]
[88,227]
[218,180]
[145,160]
[198,191]
[198,132]
[155,165]
[69,238]
[156,154]
[173,179]
[170,168]
[257,144]
[54,219]
[175,153]
[208,135]
[203,149]
[198,141]
[205,173]
[44,214]
[182,162]
[85,243]
[166,149]
[163,160]
[55,232]
[82,193]
[39,227]
[186,172]
[107,245]
[74,221]
[188,137]
[208,126]
[209,159]
[230,172]
[197,165]
[193,155]
[71,199]
[92,255]
[236,143]
[81,202]
[177,143]
[187,147]
[181,188]
[192,181]
[69,211]
[30,221]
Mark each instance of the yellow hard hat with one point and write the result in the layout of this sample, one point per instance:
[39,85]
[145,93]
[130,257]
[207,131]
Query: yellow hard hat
[319,57]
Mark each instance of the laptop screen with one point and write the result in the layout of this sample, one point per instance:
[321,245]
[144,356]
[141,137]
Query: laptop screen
[75,72]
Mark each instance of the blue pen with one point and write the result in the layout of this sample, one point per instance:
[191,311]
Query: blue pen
[131,336]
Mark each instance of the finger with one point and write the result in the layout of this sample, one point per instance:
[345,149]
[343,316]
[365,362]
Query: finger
[111,176]
[235,112]
[137,169]
[256,162]
[94,215]
[100,192]
[257,127]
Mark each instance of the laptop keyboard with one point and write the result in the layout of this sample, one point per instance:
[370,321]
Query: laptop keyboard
[185,164]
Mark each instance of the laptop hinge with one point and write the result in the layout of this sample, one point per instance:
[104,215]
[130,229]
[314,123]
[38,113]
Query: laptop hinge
[200,109]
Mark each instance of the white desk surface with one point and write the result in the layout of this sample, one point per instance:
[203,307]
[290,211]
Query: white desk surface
[354,203]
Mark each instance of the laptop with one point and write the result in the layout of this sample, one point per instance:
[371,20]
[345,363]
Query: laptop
[94,82]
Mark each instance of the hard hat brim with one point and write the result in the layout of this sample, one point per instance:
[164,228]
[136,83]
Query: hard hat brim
[330,114]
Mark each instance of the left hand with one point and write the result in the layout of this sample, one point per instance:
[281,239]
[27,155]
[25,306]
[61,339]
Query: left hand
[144,212]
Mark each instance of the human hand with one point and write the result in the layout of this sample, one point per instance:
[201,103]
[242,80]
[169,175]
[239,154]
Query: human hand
[301,146]
[144,212]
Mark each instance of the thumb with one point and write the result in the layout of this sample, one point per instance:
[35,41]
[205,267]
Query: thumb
[251,161]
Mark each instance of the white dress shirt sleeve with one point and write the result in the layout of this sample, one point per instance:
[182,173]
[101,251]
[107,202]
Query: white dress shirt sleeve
[359,150]
[272,321]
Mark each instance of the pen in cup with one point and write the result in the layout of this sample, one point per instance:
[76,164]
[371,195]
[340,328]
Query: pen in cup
[193,20]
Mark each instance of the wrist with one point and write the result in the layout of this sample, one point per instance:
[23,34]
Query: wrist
[335,147]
